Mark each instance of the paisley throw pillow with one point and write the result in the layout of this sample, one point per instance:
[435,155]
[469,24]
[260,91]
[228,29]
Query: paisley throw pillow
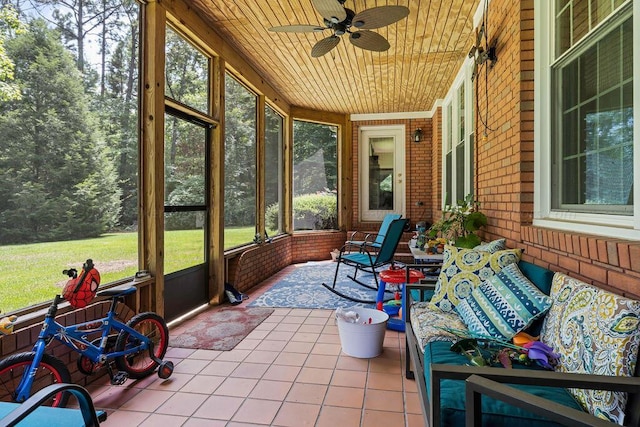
[595,332]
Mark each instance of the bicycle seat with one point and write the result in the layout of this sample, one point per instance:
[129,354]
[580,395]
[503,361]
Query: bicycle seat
[118,291]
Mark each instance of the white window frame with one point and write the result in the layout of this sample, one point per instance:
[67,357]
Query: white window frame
[450,141]
[616,226]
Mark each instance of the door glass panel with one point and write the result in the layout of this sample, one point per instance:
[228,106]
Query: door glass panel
[184,194]
[381,173]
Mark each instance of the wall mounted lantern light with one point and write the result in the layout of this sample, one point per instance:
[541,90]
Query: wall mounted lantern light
[417,135]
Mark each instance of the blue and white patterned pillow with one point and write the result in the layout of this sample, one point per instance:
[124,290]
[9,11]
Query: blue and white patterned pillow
[504,305]
[493,246]
[465,269]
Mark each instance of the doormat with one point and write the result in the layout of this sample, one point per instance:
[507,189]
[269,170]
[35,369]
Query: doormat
[220,329]
[302,288]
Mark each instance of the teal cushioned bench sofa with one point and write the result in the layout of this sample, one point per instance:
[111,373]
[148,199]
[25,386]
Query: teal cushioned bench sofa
[441,374]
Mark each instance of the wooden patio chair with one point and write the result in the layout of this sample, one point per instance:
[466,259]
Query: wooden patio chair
[368,259]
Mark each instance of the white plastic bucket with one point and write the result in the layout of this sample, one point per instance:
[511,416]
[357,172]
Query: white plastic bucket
[363,339]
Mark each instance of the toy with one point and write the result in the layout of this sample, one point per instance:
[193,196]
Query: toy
[6,324]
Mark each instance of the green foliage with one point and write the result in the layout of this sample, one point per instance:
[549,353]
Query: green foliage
[240,160]
[315,158]
[60,181]
[460,222]
[9,23]
[315,212]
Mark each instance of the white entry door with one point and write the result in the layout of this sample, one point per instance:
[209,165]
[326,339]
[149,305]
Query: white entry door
[382,180]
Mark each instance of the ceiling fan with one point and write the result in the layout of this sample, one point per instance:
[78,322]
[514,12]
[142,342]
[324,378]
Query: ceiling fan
[341,20]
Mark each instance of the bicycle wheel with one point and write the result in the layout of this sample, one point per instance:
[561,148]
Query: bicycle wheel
[50,371]
[139,365]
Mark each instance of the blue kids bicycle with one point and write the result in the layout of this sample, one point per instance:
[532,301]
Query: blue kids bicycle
[128,350]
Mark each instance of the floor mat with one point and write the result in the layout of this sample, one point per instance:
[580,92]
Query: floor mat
[302,288]
[221,329]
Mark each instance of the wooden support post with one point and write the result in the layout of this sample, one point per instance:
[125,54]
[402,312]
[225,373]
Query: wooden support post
[216,188]
[151,214]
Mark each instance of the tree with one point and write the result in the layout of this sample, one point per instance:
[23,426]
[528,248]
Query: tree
[315,151]
[9,22]
[119,110]
[60,183]
[240,154]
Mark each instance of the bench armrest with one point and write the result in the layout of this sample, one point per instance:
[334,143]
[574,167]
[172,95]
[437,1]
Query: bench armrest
[527,377]
[477,386]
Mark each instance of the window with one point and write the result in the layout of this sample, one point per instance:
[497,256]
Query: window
[458,139]
[315,176]
[274,171]
[69,151]
[240,163]
[186,73]
[186,137]
[589,94]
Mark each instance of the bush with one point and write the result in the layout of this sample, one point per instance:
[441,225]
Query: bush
[310,212]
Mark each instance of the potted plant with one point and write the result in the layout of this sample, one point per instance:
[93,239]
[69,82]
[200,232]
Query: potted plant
[459,223]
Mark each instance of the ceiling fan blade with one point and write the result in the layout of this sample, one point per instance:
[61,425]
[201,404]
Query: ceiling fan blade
[331,10]
[297,29]
[324,46]
[369,40]
[380,16]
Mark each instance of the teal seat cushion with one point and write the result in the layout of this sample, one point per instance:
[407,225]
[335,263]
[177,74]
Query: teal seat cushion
[495,413]
[426,295]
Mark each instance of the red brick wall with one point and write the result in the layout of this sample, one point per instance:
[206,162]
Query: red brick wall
[608,263]
[417,171]
[505,165]
[260,262]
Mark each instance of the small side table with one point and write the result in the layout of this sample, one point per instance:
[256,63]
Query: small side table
[397,276]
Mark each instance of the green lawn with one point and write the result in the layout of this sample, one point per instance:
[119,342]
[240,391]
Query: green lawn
[30,274]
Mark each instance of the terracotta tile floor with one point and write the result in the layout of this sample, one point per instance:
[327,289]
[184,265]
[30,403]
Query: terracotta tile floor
[289,371]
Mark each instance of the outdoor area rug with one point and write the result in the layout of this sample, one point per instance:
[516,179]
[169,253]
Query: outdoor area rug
[302,288]
[221,329]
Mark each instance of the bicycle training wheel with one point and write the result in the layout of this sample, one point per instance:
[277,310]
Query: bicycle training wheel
[50,371]
[139,365]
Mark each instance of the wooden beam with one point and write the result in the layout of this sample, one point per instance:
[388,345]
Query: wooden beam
[260,165]
[345,176]
[287,208]
[319,116]
[151,196]
[216,187]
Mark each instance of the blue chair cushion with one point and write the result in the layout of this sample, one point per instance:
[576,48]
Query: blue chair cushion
[495,413]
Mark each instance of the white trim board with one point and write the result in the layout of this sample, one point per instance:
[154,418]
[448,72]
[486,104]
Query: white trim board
[392,116]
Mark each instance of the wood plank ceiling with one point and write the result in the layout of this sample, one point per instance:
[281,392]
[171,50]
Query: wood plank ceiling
[427,49]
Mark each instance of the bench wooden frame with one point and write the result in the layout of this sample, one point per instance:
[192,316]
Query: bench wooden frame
[414,369]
